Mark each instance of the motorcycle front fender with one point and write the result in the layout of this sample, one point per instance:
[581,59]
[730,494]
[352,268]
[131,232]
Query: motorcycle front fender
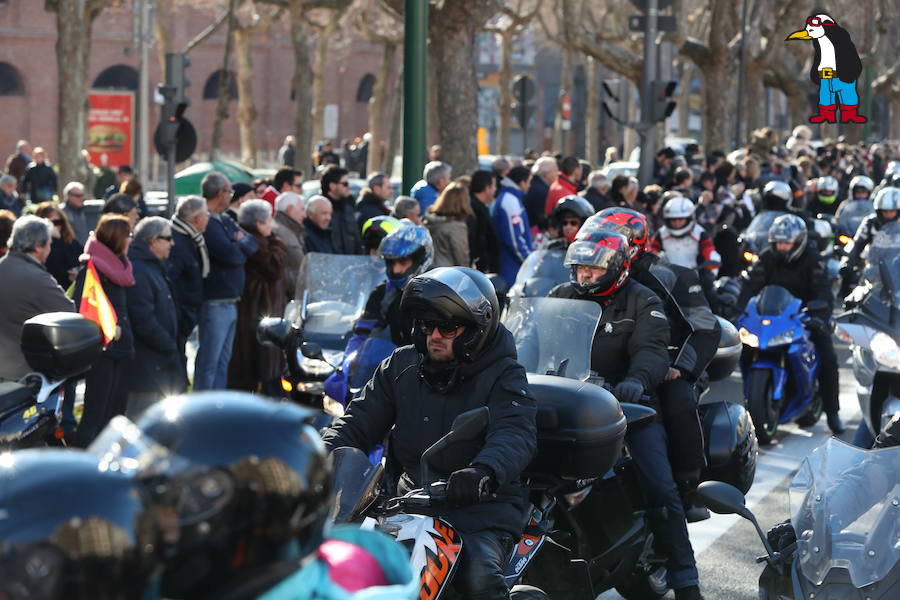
[779,376]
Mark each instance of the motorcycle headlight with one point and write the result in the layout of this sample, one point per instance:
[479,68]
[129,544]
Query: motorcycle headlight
[885,350]
[844,239]
[748,338]
[750,257]
[314,367]
[785,337]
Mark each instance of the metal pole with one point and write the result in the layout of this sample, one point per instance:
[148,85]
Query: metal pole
[170,178]
[741,74]
[414,97]
[143,165]
[648,75]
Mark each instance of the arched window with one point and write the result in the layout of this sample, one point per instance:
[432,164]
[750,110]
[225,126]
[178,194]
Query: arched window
[10,81]
[366,86]
[117,77]
[211,88]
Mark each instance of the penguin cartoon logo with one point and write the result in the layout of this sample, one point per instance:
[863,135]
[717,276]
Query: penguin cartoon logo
[835,67]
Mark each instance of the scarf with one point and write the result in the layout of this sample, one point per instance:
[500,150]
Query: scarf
[187,229]
[116,268]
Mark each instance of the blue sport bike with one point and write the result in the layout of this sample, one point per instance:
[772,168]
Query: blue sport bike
[779,363]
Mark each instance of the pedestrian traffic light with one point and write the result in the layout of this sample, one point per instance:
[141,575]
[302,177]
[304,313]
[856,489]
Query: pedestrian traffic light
[176,76]
[174,130]
[614,96]
[663,105]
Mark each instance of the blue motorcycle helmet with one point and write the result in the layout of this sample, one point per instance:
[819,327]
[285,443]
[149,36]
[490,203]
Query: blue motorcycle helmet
[406,242]
[788,228]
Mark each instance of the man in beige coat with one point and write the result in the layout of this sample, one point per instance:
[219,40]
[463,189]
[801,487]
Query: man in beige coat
[27,290]
[288,227]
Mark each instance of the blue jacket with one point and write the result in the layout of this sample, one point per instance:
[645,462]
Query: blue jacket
[312,581]
[154,323]
[227,256]
[513,228]
[186,276]
[425,194]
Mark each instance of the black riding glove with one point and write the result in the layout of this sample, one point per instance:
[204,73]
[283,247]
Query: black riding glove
[629,390]
[468,486]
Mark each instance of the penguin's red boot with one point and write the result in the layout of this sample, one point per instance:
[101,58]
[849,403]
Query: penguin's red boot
[827,114]
[848,114]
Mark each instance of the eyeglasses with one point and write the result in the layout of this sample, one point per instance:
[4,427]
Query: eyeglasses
[447,330]
[572,222]
[168,238]
[58,222]
[344,183]
[76,195]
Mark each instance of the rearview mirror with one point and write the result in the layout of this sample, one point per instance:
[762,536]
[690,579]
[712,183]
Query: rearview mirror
[722,498]
[312,350]
[273,331]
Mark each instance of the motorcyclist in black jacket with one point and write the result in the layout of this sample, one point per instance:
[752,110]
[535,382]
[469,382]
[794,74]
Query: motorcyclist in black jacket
[797,266]
[695,334]
[630,351]
[462,358]
[887,207]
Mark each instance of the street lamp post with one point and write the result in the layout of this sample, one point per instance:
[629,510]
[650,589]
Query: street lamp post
[414,96]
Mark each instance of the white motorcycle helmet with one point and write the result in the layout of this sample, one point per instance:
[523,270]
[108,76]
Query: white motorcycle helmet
[679,208]
[863,182]
[887,199]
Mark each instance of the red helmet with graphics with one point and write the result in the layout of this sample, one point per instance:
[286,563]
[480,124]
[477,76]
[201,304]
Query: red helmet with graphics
[607,256]
[630,223]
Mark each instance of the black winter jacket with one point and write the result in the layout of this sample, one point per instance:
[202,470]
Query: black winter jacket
[632,336]
[185,272]
[116,294]
[154,321]
[377,314]
[805,278]
[864,235]
[484,244]
[345,234]
[398,396]
[695,332]
[317,239]
[368,207]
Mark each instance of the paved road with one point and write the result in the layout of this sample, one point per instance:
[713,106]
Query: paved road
[726,546]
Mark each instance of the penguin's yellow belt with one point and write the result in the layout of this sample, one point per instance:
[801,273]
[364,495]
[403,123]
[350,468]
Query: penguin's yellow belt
[827,73]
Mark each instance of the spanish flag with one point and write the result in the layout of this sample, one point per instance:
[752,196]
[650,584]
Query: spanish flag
[96,306]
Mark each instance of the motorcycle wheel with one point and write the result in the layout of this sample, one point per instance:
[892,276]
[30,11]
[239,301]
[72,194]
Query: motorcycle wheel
[759,403]
[527,592]
[812,416]
[644,586]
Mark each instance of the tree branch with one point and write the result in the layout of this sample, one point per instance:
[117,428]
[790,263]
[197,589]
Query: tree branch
[206,33]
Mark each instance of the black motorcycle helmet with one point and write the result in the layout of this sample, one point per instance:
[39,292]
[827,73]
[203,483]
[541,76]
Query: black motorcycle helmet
[571,207]
[244,480]
[788,228]
[457,295]
[600,248]
[69,529]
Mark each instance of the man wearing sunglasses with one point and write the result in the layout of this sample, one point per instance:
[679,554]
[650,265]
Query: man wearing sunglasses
[344,230]
[462,358]
[567,217]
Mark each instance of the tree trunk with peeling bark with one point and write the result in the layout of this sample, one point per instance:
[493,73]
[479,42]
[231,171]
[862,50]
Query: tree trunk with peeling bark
[377,113]
[506,99]
[224,79]
[396,118]
[318,111]
[452,30]
[302,86]
[74,25]
[246,108]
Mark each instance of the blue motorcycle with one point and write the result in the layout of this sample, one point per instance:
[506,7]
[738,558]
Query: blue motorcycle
[779,363]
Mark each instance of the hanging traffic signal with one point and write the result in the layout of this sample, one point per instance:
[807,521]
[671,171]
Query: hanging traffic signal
[663,105]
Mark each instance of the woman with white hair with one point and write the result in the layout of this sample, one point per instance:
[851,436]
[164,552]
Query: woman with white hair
[254,367]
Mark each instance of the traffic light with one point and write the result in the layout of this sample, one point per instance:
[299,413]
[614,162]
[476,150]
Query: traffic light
[663,105]
[174,131]
[614,99]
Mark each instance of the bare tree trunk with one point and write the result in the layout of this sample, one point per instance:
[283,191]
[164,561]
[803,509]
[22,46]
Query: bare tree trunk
[895,117]
[592,137]
[318,112]
[505,108]
[162,26]
[302,85]
[684,99]
[224,79]
[754,100]
[561,138]
[452,32]
[377,104]
[396,117]
[74,24]
[246,107]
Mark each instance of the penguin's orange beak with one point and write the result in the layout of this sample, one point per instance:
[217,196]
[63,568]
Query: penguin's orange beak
[799,35]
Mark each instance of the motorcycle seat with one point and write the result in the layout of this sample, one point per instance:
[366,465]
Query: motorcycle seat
[13,394]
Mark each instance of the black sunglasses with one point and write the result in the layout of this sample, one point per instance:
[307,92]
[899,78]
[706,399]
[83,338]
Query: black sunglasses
[447,330]
[168,238]
[572,222]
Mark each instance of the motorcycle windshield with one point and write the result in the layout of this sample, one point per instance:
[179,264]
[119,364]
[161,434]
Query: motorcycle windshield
[757,234]
[335,288]
[885,249]
[550,330]
[852,215]
[845,508]
[773,300]
[541,272]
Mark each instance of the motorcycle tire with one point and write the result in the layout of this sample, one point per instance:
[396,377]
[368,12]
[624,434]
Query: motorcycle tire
[759,403]
[527,592]
[644,586]
[812,416]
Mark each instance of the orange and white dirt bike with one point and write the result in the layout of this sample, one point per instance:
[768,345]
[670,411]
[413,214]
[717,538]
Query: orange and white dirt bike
[434,544]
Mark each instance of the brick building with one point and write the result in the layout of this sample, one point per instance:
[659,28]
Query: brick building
[29,79]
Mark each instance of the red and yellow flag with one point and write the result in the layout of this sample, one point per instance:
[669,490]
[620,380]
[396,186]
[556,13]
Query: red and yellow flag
[96,306]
